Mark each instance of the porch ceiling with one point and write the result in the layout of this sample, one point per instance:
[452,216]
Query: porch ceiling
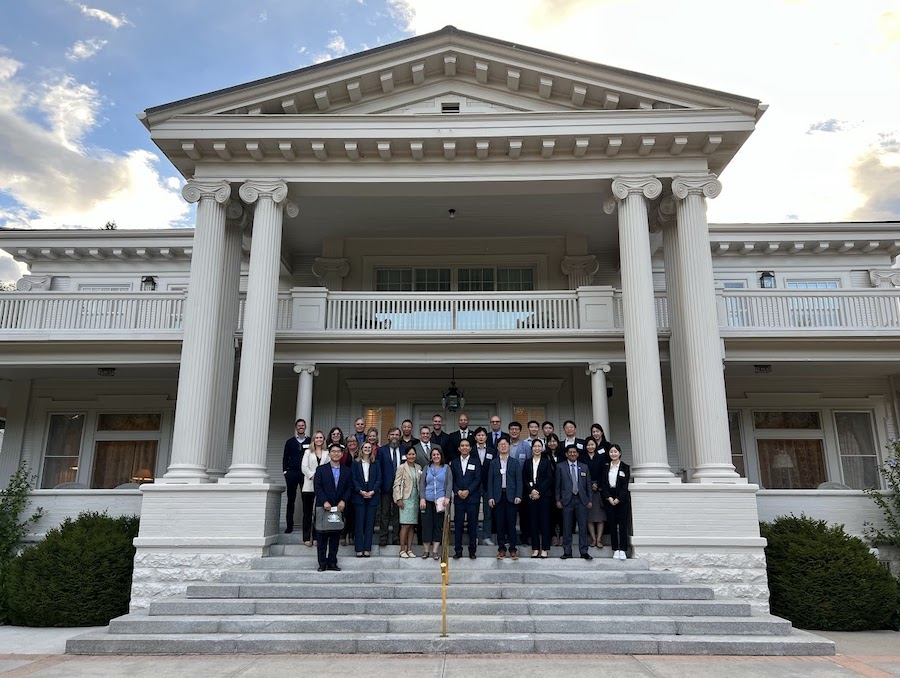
[422,209]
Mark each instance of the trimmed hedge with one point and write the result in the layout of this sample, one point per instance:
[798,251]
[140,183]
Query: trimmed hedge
[820,578]
[79,575]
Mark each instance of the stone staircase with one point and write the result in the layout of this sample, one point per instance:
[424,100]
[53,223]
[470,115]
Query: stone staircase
[386,604]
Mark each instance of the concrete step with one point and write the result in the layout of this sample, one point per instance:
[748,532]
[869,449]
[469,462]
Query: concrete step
[457,608]
[103,642]
[614,625]
[296,537]
[458,576]
[308,561]
[346,590]
[394,551]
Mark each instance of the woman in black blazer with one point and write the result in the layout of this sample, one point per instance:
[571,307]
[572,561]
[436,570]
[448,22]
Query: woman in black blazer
[617,499]
[537,483]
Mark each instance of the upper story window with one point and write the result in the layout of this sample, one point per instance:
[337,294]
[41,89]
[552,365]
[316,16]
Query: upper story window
[733,284]
[104,287]
[479,279]
[450,107]
[813,284]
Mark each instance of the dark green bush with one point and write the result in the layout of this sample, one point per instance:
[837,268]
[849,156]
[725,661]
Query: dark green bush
[79,575]
[821,578]
[14,523]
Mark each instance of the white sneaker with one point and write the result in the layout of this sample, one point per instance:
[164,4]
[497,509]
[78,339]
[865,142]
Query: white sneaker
[619,555]
[487,542]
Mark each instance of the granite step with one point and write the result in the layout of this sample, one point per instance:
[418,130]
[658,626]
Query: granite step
[310,562]
[104,642]
[139,622]
[394,551]
[458,608]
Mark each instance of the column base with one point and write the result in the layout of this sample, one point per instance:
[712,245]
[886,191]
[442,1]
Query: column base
[709,534]
[656,474]
[184,474]
[195,533]
[717,474]
[244,474]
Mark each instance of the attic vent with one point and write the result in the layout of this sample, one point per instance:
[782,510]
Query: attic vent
[450,107]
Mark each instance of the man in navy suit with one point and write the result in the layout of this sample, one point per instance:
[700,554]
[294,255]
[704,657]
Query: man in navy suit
[496,433]
[466,471]
[333,485]
[389,457]
[294,449]
[573,496]
[451,452]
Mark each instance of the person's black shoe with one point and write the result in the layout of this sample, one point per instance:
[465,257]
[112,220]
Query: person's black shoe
[321,568]
[289,530]
[565,556]
[333,568]
[587,556]
[472,555]
[457,555]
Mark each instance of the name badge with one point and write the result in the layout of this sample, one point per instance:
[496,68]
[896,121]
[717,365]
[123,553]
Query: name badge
[470,467]
[622,474]
[579,446]
[489,456]
[583,474]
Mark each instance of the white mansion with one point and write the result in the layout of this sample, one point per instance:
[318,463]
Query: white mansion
[368,226]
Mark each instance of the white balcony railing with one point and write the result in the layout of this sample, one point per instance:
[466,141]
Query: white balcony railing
[107,311]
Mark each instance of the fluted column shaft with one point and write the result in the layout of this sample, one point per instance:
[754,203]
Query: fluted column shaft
[599,400]
[230,281]
[191,439]
[645,402]
[699,341]
[680,394]
[251,423]
[305,372]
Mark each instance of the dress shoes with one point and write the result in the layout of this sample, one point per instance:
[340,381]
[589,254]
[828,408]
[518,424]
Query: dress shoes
[587,556]
[289,530]
[321,568]
[332,568]
[501,554]
[565,556]
[514,555]
[457,555]
[472,555]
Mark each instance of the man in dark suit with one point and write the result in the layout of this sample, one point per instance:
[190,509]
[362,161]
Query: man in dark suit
[505,489]
[573,496]
[423,447]
[439,436]
[389,457]
[407,439]
[452,450]
[294,449]
[485,455]
[496,434]
[466,471]
[571,433]
[332,485]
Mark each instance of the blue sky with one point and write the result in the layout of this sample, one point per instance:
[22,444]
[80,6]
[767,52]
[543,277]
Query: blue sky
[74,73]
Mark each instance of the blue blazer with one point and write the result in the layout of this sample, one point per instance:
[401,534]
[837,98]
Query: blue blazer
[513,479]
[387,466]
[359,484]
[468,478]
[326,490]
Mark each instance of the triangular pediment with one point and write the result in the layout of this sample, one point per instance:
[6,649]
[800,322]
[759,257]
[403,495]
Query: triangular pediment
[416,76]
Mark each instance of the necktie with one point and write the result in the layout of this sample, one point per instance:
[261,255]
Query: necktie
[496,437]
[427,448]
[574,472]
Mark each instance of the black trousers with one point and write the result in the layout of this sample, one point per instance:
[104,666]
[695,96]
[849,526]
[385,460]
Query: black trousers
[617,519]
[293,480]
[432,524]
[577,512]
[307,499]
[506,523]
[327,546]
[466,519]
[388,517]
[540,521]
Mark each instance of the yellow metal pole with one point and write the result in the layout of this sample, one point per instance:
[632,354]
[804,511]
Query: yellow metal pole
[445,570]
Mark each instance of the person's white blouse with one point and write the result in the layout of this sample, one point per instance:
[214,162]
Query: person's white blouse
[308,468]
[613,473]
[365,468]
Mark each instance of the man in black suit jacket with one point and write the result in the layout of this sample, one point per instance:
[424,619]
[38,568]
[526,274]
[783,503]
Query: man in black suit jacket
[573,496]
[466,471]
[464,433]
[496,434]
[332,483]
[294,449]
[439,436]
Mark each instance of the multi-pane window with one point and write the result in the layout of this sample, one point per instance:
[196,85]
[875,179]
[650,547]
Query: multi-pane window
[475,279]
[523,413]
[432,279]
[856,444]
[790,446]
[463,279]
[111,287]
[63,449]
[813,284]
[125,449]
[737,445]
[393,280]
[515,279]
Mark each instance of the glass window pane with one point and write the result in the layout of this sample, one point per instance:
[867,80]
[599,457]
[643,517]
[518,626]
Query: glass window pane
[791,464]
[117,462]
[128,422]
[382,417]
[63,449]
[475,279]
[393,280]
[787,420]
[432,279]
[856,442]
[58,470]
[515,279]
[737,447]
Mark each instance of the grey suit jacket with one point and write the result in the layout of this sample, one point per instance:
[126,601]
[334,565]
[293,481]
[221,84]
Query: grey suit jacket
[564,484]
[423,459]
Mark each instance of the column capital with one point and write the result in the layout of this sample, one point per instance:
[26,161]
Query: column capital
[194,190]
[592,368]
[309,368]
[251,190]
[322,266]
[586,264]
[707,186]
[610,205]
[648,186]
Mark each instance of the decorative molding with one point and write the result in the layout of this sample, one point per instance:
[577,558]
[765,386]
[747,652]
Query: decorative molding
[195,190]
[648,186]
[885,278]
[707,186]
[34,283]
[309,368]
[276,189]
[323,266]
[580,265]
[291,208]
[598,367]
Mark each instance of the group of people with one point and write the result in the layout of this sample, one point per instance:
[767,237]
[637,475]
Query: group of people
[553,485]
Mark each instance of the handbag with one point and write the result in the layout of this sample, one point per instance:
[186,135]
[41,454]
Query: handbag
[328,521]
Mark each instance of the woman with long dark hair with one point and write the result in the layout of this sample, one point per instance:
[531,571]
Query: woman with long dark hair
[537,481]
[617,499]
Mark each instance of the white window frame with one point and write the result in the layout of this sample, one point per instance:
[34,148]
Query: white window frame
[837,445]
[105,287]
[538,263]
[454,274]
[800,281]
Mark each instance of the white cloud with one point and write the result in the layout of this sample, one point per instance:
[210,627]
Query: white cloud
[337,45]
[85,49]
[263,16]
[58,182]
[100,15]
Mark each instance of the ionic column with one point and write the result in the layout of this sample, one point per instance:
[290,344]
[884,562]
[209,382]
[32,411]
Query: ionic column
[699,341]
[680,394]
[251,424]
[645,402]
[331,272]
[579,269]
[599,400]
[306,372]
[230,281]
[191,439]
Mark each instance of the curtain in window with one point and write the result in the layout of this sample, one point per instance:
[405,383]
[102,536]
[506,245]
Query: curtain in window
[117,462]
[791,464]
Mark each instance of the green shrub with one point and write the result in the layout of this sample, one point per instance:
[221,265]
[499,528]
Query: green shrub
[890,504]
[79,575]
[13,501]
[821,578]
